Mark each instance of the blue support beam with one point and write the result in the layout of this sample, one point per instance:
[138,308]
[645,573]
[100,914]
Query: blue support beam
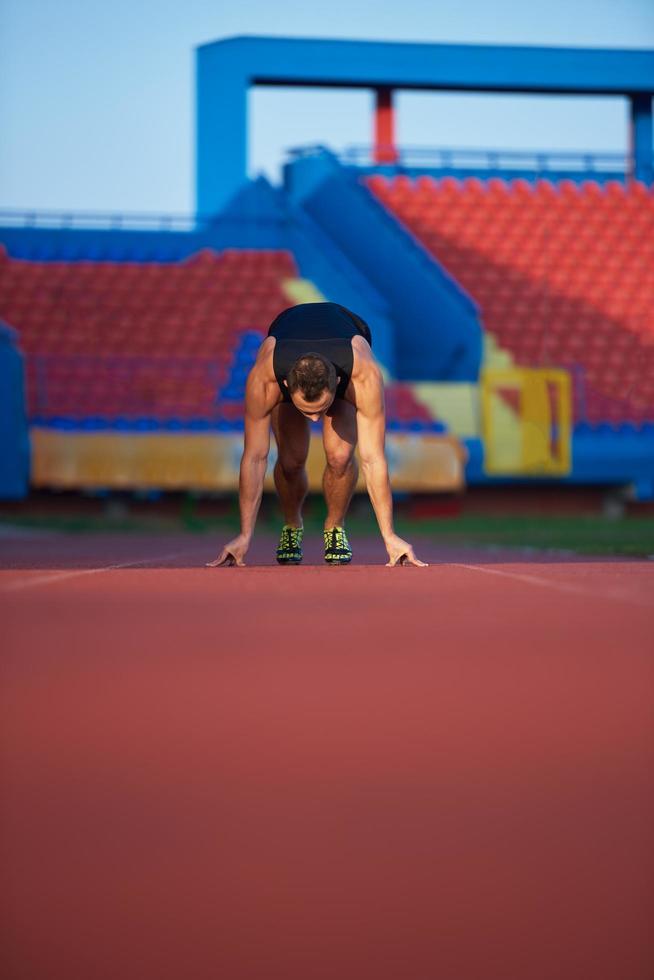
[226,69]
[221,127]
[642,137]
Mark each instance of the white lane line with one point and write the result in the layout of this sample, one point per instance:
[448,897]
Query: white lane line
[27,583]
[560,586]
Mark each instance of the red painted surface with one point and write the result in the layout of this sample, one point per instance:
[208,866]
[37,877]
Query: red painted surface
[324,772]
[385,149]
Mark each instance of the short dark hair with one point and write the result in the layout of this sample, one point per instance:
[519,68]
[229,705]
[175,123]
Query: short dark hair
[312,374]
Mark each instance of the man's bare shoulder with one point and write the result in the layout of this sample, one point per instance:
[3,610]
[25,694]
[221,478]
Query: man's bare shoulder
[261,390]
[266,349]
[367,378]
[365,367]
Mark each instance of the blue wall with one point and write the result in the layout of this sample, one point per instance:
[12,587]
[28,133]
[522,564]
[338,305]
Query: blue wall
[69,244]
[601,454]
[14,440]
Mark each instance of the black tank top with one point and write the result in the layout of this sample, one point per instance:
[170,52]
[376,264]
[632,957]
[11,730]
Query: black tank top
[320,328]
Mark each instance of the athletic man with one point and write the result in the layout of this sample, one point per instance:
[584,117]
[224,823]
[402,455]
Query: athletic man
[315,364]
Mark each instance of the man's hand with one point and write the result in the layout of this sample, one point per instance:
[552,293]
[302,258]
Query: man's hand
[401,553]
[233,553]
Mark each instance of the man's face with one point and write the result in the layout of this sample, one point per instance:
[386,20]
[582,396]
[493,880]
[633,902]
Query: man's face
[313,410]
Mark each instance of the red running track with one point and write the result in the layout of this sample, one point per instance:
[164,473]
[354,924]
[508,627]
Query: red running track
[323,773]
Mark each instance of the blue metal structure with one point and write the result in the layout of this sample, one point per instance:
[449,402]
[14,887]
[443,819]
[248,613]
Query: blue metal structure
[437,328]
[227,69]
[527,165]
[14,438]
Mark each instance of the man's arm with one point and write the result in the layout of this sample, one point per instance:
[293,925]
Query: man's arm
[252,471]
[371,429]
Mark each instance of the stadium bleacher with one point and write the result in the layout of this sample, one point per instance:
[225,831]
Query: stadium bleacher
[137,340]
[143,345]
[563,274]
[120,340]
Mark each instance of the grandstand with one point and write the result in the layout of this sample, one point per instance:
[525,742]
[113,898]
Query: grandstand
[152,343]
[512,314]
[563,274]
[126,349]
[139,341]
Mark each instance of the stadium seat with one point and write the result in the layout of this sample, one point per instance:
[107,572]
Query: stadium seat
[147,344]
[563,273]
[120,339]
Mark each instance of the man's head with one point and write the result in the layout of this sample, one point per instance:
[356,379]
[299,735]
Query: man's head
[312,385]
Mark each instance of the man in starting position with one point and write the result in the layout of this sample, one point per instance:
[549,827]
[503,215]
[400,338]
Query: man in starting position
[315,364]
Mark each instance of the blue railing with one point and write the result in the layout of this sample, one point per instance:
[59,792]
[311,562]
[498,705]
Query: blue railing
[451,159]
[107,220]
[132,221]
[551,163]
[540,161]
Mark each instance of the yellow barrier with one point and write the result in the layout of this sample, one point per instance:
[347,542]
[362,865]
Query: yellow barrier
[526,421]
[211,462]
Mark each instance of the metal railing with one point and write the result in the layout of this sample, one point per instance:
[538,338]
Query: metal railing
[114,221]
[536,162]
[470,158]
[132,221]
[540,161]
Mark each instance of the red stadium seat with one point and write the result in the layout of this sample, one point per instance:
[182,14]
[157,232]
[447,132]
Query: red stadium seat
[116,313]
[560,270]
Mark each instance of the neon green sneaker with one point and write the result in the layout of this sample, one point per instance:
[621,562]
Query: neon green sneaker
[337,547]
[289,549]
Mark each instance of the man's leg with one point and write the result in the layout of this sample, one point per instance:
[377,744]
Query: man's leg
[339,436]
[292,432]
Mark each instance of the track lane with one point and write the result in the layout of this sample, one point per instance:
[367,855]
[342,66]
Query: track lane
[316,772]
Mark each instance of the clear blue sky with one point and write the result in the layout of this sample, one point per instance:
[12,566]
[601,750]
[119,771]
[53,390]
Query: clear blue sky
[96,96]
